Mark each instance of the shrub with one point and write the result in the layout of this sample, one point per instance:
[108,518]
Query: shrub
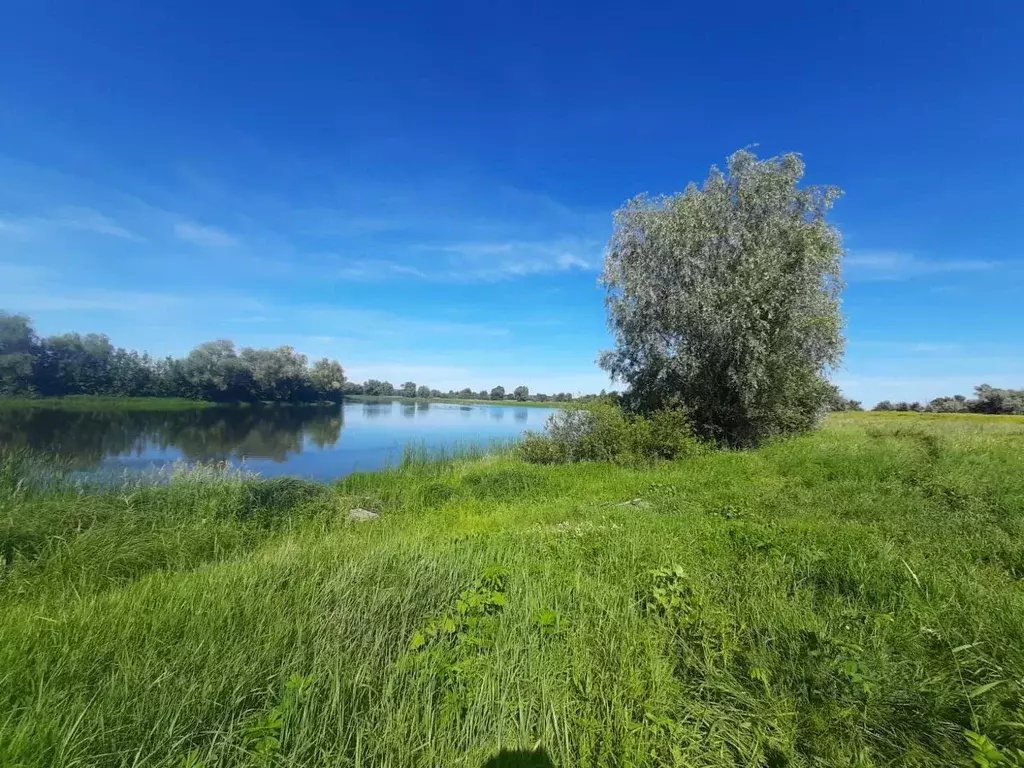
[604,432]
[671,434]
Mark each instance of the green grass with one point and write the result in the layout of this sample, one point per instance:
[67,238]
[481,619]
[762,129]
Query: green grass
[851,597]
[98,402]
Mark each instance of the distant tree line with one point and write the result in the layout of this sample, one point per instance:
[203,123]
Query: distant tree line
[76,364]
[410,389]
[987,399]
[89,364]
[837,401]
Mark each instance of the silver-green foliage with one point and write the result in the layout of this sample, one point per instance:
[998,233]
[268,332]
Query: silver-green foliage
[725,298]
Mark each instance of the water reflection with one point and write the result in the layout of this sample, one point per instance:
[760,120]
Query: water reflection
[376,410]
[270,440]
[202,434]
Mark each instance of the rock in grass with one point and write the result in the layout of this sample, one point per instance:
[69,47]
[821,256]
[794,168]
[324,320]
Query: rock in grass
[360,515]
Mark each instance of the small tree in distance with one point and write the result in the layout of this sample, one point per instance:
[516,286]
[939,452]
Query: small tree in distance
[521,393]
[408,389]
[498,393]
[725,299]
[328,378]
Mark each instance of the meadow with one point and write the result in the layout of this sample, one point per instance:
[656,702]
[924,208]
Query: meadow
[849,597]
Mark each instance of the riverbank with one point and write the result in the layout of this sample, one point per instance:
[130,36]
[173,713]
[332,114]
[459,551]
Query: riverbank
[851,596]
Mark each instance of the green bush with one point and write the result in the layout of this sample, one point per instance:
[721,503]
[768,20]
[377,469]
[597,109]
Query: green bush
[604,432]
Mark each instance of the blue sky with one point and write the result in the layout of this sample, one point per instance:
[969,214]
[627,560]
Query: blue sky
[424,191]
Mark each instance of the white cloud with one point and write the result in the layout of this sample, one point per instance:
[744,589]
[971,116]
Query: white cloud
[78,219]
[14,227]
[374,270]
[483,261]
[87,220]
[102,300]
[371,324]
[903,347]
[475,262]
[895,265]
[206,236]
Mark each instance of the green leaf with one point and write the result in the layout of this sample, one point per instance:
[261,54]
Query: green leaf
[961,648]
[983,689]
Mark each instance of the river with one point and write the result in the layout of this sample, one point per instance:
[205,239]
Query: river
[322,442]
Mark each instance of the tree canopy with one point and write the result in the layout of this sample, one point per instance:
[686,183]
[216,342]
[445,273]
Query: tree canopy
[725,298]
[76,364]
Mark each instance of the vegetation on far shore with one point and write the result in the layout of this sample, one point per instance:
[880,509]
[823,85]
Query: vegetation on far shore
[73,365]
[468,401]
[846,597]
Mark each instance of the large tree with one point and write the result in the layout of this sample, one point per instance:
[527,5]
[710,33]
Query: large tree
[725,298]
[18,350]
[327,378]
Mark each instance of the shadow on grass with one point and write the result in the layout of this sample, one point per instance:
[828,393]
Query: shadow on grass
[534,758]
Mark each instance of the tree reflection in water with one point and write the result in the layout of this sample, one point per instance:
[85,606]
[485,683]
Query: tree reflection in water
[204,434]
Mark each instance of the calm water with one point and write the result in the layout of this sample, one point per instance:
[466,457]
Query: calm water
[320,442]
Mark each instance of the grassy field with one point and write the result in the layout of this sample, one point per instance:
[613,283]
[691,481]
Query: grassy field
[852,597]
[97,402]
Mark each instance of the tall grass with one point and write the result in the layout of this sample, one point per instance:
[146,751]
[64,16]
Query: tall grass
[849,597]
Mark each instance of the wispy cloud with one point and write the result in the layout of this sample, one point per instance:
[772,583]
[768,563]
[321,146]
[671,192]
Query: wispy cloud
[896,265]
[101,300]
[14,227]
[77,219]
[471,262]
[87,220]
[373,270]
[903,347]
[34,289]
[499,260]
[374,324]
[206,236]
